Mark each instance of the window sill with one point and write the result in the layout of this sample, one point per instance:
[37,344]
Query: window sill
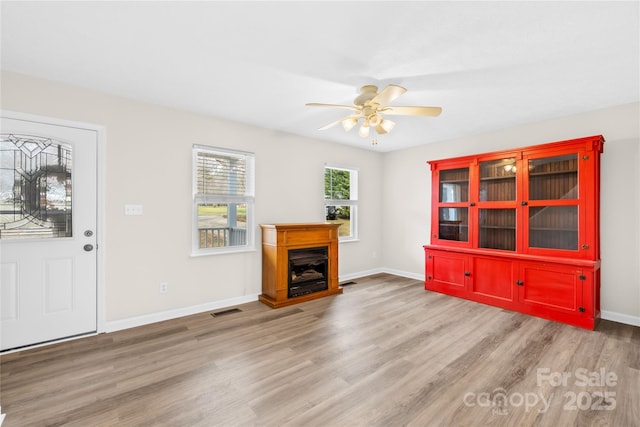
[222,252]
[348,240]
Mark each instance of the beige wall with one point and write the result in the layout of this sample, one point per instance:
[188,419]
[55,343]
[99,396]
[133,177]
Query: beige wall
[620,192]
[148,162]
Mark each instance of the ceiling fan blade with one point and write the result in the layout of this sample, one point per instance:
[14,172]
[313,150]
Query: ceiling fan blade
[328,125]
[388,94]
[317,104]
[412,111]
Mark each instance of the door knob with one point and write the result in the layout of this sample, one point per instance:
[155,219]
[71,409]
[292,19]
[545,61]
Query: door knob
[88,247]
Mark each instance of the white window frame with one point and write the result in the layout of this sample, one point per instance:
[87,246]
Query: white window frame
[248,198]
[352,202]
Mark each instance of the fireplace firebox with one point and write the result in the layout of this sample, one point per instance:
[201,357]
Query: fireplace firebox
[307,271]
[299,263]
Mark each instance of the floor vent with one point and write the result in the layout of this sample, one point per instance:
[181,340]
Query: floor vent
[225,312]
[348,283]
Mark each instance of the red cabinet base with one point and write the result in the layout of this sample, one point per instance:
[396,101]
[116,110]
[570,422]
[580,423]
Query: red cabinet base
[564,290]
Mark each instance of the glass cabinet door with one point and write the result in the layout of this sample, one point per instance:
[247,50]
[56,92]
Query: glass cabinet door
[453,213]
[497,229]
[553,178]
[496,207]
[454,224]
[454,185]
[553,227]
[553,202]
[498,180]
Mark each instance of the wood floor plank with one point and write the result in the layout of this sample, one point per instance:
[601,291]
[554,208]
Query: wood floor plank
[384,353]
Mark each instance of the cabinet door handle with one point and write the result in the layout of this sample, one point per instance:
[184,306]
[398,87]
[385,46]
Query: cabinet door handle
[467,273]
[472,204]
[523,203]
[519,283]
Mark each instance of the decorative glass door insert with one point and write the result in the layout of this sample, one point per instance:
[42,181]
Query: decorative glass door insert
[35,187]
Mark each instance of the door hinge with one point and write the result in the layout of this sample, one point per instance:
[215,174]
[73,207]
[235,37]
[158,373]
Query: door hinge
[581,309]
[582,277]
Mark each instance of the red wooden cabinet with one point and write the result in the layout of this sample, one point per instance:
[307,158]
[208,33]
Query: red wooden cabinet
[519,229]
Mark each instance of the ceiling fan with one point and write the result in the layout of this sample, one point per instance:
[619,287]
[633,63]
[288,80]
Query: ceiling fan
[370,106]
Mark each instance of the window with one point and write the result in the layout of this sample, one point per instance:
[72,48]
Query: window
[341,200]
[223,200]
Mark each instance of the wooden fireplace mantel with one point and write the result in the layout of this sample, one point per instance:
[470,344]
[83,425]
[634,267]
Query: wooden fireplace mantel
[277,240]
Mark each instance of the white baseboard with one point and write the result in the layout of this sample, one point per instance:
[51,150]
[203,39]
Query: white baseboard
[365,273]
[132,322]
[117,325]
[620,318]
[347,277]
[407,274]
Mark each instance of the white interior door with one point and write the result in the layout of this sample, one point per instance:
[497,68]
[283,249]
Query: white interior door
[48,211]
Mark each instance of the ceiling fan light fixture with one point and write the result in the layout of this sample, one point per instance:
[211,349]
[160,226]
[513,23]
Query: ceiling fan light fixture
[387,125]
[349,123]
[364,130]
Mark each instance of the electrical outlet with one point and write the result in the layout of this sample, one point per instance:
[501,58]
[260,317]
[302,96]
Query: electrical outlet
[164,287]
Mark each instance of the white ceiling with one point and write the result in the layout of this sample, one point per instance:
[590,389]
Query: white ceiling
[489,65]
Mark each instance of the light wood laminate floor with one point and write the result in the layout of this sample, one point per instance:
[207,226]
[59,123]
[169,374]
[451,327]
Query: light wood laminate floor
[384,353]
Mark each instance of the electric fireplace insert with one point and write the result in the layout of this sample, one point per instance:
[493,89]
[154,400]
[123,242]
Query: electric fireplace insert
[308,269]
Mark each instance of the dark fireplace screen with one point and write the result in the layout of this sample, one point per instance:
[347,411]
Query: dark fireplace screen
[308,271]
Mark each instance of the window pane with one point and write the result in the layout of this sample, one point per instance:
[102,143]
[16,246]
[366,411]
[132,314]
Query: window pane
[553,227]
[341,215]
[498,180]
[454,224]
[341,200]
[337,184]
[223,224]
[35,187]
[554,178]
[221,175]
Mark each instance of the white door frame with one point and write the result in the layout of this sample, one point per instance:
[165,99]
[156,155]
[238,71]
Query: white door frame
[101,248]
